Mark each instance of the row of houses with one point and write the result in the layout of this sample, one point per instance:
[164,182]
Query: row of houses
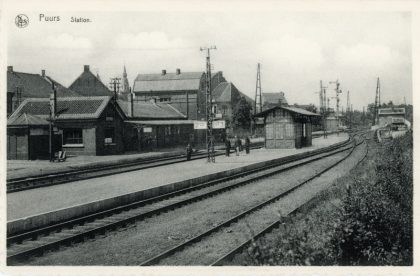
[158,111]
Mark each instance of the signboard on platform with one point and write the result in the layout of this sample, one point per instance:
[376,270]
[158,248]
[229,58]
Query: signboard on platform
[219,124]
[147,129]
[200,125]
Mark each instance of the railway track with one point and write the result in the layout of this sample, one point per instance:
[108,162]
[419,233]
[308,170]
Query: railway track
[230,255]
[26,183]
[24,245]
[221,227]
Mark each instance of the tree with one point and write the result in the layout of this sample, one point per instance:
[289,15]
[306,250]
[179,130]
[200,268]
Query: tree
[242,114]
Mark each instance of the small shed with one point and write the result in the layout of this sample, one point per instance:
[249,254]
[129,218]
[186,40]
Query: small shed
[27,137]
[287,127]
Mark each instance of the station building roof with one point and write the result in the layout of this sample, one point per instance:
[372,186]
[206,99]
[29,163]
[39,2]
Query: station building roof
[295,110]
[151,110]
[68,107]
[391,111]
[26,120]
[179,81]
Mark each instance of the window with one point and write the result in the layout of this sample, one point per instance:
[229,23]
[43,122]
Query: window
[304,130]
[109,135]
[165,99]
[73,136]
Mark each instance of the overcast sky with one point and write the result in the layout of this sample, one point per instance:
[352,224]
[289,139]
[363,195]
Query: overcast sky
[296,49]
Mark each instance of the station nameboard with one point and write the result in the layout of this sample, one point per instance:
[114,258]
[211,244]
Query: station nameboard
[147,129]
[200,125]
[219,124]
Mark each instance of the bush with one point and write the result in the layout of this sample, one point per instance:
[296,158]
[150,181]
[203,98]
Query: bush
[376,226]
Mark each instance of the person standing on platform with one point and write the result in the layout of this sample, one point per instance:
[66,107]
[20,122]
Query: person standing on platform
[247,144]
[189,152]
[227,146]
[237,145]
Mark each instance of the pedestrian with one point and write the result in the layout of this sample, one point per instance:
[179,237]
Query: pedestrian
[189,152]
[241,148]
[237,145]
[247,144]
[227,146]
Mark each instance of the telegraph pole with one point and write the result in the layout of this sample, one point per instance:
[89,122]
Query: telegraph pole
[209,110]
[337,97]
[322,107]
[377,103]
[114,85]
[53,112]
[258,98]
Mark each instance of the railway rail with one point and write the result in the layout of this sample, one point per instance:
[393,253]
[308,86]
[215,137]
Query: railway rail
[24,245]
[26,183]
[251,211]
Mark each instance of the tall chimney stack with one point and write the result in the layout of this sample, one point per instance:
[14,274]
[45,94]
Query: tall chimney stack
[163,72]
[86,68]
[43,73]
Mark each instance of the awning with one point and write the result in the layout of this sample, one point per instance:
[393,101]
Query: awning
[162,122]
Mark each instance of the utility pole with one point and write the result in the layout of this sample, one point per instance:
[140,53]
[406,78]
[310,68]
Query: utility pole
[258,97]
[114,85]
[377,103]
[209,109]
[348,108]
[337,97]
[53,112]
[322,110]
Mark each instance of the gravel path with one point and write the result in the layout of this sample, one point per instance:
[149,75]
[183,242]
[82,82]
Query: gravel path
[133,245]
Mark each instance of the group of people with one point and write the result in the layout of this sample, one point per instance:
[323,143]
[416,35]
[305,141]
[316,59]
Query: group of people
[228,146]
[238,145]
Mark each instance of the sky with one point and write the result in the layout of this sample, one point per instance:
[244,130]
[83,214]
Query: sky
[296,49]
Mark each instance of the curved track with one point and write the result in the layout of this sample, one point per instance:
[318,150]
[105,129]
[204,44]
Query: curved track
[37,241]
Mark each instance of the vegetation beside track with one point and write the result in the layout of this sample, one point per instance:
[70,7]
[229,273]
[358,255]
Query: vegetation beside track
[365,218]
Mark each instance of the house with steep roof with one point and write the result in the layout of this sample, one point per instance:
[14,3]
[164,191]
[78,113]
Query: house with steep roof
[83,126]
[87,84]
[270,100]
[225,96]
[22,85]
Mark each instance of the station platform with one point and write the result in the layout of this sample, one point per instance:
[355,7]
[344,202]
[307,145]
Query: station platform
[48,199]
[32,168]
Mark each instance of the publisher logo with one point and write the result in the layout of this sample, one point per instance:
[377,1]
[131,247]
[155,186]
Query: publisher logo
[21,20]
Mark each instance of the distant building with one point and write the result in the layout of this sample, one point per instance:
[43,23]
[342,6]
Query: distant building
[388,116]
[287,127]
[87,84]
[270,100]
[84,126]
[21,86]
[186,91]
[225,97]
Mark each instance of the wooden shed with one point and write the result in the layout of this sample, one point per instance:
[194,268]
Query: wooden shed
[287,127]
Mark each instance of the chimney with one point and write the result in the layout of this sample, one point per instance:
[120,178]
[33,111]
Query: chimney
[9,68]
[163,72]
[178,71]
[86,68]
[130,105]
[43,73]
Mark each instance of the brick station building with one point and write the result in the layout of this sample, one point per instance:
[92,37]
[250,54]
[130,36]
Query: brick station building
[84,126]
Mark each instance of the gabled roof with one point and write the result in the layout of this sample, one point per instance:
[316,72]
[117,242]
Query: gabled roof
[274,98]
[223,93]
[24,119]
[295,110]
[87,84]
[69,108]
[35,86]
[150,110]
[167,82]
